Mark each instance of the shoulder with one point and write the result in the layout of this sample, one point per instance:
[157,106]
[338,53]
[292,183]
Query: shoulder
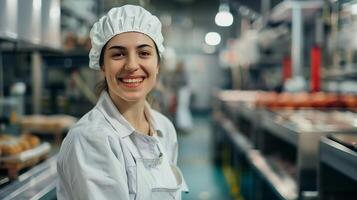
[92,133]
[92,125]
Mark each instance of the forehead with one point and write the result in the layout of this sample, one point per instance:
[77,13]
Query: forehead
[130,39]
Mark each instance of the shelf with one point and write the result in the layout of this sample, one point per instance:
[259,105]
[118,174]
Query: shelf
[67,59]
[8,36]
[238,103]
[248,111]
[30,25]
[284,132]
[230,109]
[34,184]
[238,139]
[26,46]
[277,123]
[304,132]
[340,74]
[339,157]
[284,185]
[40,150]
[283,11]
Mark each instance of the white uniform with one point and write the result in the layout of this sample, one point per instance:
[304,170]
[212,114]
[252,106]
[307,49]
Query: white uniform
[103,157]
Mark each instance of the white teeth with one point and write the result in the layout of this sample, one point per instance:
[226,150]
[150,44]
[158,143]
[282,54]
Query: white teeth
[132,80]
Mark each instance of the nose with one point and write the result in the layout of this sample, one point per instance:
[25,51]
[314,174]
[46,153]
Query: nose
[131,64]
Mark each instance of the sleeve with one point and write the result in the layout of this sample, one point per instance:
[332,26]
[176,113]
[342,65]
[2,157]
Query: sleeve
[91,168]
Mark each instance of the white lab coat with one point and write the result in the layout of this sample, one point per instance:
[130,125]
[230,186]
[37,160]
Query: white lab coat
[104,158]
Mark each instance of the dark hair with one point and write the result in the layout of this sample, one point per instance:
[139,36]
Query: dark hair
[102,85]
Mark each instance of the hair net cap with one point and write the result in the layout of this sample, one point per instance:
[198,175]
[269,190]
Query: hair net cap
[123,19]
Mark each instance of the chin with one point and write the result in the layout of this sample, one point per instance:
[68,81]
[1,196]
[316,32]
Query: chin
[132,97]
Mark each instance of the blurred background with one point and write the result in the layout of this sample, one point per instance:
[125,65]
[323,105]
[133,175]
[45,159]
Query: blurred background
[263,93]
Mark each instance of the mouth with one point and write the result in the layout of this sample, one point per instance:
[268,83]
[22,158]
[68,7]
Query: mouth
[131,82]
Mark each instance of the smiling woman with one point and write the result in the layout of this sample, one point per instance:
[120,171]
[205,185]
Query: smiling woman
[130,66]
[122,149]
[120,51]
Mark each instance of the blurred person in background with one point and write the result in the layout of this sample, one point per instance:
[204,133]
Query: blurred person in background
[122,149]
[183,116]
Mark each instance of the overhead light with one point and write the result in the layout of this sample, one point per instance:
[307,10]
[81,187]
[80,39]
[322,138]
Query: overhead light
[212,38]
[224,17]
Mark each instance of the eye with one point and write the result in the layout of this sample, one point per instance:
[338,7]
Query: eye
[144,53]
[118,55]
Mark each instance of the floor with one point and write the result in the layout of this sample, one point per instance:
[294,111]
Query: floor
[205,180]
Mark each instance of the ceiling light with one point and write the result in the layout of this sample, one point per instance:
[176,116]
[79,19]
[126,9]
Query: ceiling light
[224,17]
[212,38]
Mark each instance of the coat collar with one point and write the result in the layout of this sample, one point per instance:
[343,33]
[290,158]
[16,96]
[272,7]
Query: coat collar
[117,120]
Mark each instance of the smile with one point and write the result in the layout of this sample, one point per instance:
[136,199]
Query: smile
[131,82]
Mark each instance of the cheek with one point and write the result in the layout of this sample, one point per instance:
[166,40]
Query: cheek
[112,67]
[156,70]
[109,76]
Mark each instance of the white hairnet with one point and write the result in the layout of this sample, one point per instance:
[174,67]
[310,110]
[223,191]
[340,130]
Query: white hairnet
[120,20]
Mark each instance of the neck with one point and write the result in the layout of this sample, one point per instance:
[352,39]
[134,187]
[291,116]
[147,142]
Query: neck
[133,112]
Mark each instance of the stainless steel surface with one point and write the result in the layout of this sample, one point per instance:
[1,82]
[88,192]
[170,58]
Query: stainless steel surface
[51,24]
[8,19]
[284,131]
[248,111]
[296,160]
[319,31]
[229,119]
[305,139]
[237,138]
[29,21]
[296,12]
[239,107]
[282,183]
[297,35]
[33,184]
[339,157]
[283,11]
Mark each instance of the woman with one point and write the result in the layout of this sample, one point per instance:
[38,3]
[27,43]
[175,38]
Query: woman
[122,149]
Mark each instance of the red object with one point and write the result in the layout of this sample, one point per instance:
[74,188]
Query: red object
[315,68]
[286,68]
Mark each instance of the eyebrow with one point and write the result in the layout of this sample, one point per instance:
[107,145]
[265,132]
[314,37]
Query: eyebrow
[124,48]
